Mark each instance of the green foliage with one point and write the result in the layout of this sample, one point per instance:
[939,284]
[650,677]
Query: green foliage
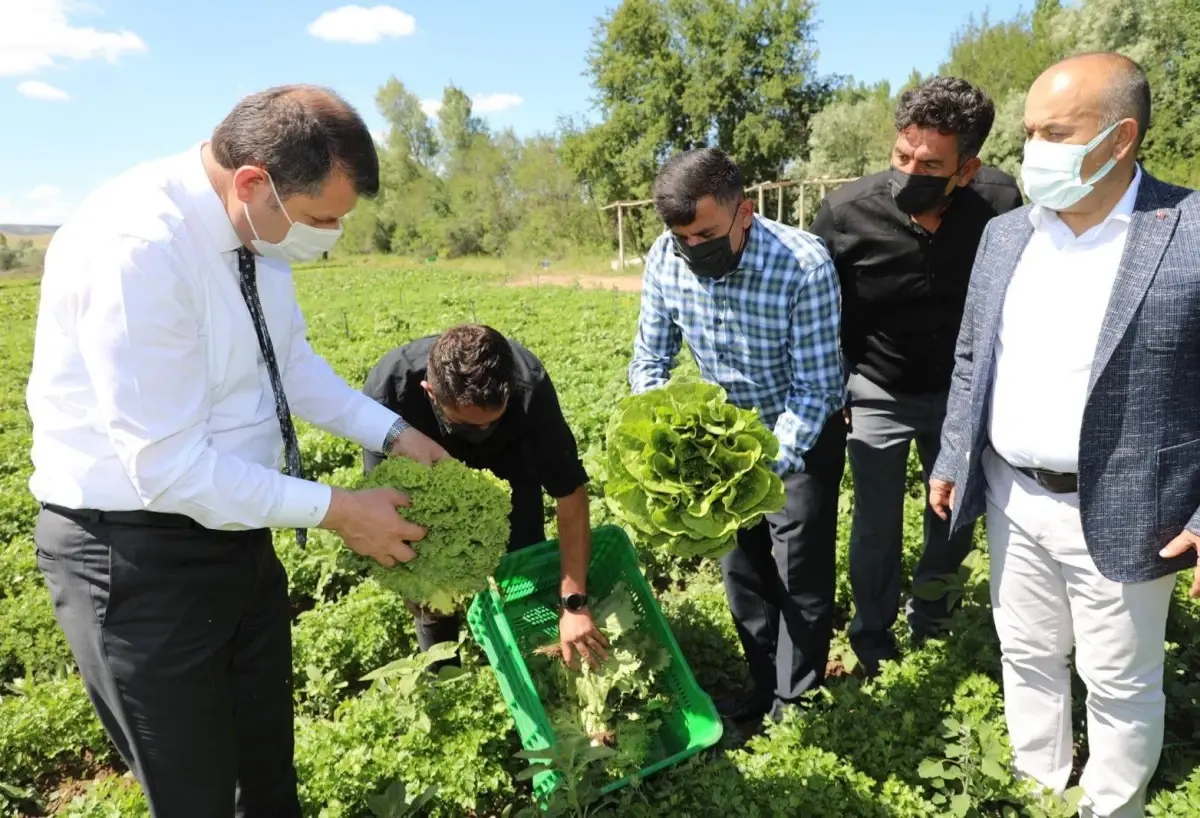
[617,704]
[465,512]
[393,802]
[344,639]
[670,75]
[110,797]
[47,723]
[687,469]
[450,733]
[22,256]
[855,749]
[30,639]
[18,568]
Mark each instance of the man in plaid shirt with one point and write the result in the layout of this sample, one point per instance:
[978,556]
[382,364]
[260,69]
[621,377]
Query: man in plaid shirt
[759,305]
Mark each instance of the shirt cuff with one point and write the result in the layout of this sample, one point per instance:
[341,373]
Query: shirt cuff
[304,504]
[371,424]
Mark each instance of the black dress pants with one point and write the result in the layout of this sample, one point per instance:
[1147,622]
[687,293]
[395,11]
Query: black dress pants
[527,527]
[183,639]
[781,577]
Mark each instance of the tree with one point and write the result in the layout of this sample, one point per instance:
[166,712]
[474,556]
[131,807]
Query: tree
[409,129]
[671,75]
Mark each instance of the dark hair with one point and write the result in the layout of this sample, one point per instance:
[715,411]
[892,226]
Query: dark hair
[471,365]
[1127,96]
[951,106]
[688,177]
[299,134]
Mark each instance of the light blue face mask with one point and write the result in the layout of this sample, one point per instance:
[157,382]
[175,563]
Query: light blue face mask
[1050,172]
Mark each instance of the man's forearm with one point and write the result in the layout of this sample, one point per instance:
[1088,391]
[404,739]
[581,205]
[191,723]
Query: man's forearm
[575,541]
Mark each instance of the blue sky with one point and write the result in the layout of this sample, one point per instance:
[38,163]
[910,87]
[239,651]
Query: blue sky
[90,88]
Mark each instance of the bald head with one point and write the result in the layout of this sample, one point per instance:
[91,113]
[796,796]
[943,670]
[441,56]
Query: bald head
[1107,85]
[1085,118]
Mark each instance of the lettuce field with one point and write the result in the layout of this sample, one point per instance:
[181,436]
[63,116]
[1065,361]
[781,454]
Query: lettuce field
[925,738]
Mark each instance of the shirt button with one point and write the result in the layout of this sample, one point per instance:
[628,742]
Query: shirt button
[718,322]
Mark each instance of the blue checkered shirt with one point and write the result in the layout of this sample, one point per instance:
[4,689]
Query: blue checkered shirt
[768,333]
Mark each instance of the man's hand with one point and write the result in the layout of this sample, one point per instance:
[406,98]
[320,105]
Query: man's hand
[577,632]
[416,446]
[369,525]
[848,416]
[941,498]
[1187,541]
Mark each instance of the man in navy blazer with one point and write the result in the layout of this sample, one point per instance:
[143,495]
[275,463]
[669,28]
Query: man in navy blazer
[1073,421]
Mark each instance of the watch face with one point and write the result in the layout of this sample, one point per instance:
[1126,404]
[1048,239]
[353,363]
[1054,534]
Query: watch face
[574,602]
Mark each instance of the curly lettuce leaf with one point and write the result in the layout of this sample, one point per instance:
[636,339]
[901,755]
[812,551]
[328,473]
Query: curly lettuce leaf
[466,512]
[687,469]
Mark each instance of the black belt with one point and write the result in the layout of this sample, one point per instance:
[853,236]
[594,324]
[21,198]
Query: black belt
[152,519]
[1053,481]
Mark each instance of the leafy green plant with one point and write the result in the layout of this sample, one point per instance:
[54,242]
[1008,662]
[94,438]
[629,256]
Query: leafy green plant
[974,773]
[687,469]
[466,513]
[335,643]
[616,705]
[47,722]
[393,802]
[581,763]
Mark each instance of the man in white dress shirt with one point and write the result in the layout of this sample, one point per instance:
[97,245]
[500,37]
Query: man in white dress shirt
[169,355]
[1073,421]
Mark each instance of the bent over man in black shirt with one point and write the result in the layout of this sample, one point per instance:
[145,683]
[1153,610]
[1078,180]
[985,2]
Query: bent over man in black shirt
[490,403]
[904,242]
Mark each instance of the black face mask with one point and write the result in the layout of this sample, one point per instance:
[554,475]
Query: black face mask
[919,194]
[466,431]
[710,259]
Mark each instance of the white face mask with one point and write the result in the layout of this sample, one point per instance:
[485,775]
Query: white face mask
[1050,172]
[302,242]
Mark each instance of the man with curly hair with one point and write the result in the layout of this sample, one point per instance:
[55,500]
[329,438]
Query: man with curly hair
[903,241]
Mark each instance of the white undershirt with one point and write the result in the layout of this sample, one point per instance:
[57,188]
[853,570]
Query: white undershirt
[1049,329]
[148,389]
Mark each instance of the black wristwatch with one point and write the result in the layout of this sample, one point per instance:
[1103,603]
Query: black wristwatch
[574,602]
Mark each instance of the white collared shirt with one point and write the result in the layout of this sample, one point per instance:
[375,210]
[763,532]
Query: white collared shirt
[1049,329]
[148,388]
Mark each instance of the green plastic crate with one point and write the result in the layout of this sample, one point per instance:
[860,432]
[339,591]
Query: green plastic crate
[524,614]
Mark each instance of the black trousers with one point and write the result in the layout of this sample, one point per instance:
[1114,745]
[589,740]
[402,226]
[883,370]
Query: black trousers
[527,527]
[183,639]
[780,579]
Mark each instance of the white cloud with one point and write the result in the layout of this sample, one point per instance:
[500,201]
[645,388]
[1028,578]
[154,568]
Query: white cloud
[37,34]
[36,89]
[42,205]
[492,103]
[44,193]
[360,25]
[480,104]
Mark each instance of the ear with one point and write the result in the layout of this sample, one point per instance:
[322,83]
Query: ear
[968,171]
[249,182]
[428,389]
[745,212]
[1126,135]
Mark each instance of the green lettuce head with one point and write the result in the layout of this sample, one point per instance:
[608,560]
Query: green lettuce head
[687,469]
[465,512]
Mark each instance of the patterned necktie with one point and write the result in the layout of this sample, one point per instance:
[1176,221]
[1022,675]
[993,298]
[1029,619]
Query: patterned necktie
[291,445]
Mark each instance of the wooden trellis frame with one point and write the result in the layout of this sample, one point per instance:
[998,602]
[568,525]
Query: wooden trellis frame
[760,190]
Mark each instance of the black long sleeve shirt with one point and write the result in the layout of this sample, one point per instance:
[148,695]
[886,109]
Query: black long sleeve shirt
[903,288]
[532,443]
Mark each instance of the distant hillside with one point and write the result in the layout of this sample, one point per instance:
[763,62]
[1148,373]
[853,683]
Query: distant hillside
[28,229]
